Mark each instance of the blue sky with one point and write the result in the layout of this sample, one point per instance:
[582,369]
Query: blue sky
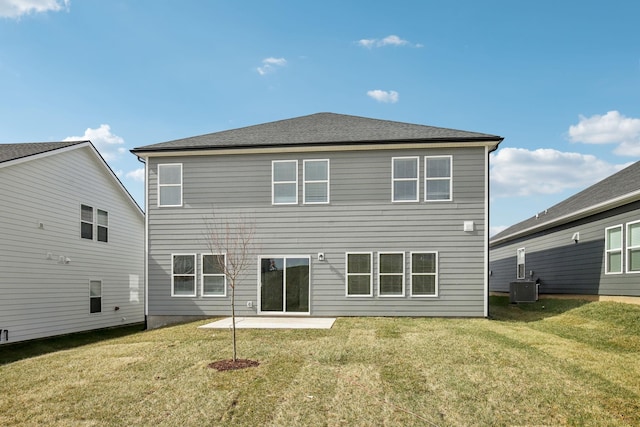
[559,80]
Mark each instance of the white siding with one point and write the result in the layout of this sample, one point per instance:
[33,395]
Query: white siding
[39,219]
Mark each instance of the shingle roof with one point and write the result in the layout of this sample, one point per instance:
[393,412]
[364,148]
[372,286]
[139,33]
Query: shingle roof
[608,193]
[17,151]
[318,129]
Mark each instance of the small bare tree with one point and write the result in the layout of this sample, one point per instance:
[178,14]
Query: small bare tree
[233,238]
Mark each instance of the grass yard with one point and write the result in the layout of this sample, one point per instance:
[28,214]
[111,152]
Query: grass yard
[555,362]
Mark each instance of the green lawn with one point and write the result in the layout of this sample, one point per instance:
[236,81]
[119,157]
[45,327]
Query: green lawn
[555,362]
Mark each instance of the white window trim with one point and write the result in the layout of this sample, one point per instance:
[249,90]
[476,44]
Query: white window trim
[259,282]
[380,274]
[347,274]
[273,182]
[93,222]
[103,226]
[203,275]
[524,264]
[394,180]
[607,251]
[628,248]
[195,270]
[439,179]
[412,274]
[95,226]
[304,179]
[95,296]
[160,165]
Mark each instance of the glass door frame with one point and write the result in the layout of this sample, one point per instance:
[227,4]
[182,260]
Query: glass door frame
[284,290]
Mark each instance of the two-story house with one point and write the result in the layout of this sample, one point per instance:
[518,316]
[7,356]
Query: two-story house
[353,217]
[71,243]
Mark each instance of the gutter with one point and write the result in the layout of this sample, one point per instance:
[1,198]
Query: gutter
[337,144]
[303,148]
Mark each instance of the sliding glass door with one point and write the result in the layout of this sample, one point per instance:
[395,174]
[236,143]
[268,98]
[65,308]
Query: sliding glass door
[284,284]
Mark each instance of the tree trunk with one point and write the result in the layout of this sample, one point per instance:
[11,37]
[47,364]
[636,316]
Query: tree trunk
[233,319]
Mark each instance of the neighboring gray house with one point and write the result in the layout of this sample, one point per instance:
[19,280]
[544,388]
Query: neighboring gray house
[354,217]
[71,243]
[589,244]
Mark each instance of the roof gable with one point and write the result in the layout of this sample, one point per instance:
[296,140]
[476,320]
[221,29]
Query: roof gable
[318,129]
[10,152]
[616,190]
[15,153]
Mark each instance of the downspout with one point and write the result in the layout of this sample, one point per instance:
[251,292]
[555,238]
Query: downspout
[146,241]
[486,234]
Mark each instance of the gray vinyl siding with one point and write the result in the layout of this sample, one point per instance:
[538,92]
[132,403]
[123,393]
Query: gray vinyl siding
[566,267]
[42,297]
[359,218]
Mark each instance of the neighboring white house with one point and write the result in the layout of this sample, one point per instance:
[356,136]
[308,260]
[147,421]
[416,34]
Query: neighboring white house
[71,243]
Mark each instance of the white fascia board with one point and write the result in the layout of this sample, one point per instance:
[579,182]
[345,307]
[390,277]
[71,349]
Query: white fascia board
[316,148]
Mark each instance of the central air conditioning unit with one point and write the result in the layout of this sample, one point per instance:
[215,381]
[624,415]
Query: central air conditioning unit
[523,291]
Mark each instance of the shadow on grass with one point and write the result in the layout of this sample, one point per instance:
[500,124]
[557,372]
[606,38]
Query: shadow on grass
[501,309]
[23,350]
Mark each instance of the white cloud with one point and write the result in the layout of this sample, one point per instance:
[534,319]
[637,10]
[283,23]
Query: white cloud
[521,172]
[611,128]
[269,65]
[109,145]
[136,175]
[391,40]
[368,43]
[17,8]
[384,96]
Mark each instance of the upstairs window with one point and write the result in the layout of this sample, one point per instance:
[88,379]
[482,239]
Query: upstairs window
[316,181]
[170,185]
[613,250]
[391,274]
[633,247]
[437,176]
[284,179]
[214,281]
[86,222]
[405,179]
[103,226]
[183,276]
[424,274]
[359,274]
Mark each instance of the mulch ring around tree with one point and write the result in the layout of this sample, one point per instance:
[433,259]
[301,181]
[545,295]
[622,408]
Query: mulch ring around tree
[230,364]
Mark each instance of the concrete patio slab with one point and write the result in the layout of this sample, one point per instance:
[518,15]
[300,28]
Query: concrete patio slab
[273,323]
